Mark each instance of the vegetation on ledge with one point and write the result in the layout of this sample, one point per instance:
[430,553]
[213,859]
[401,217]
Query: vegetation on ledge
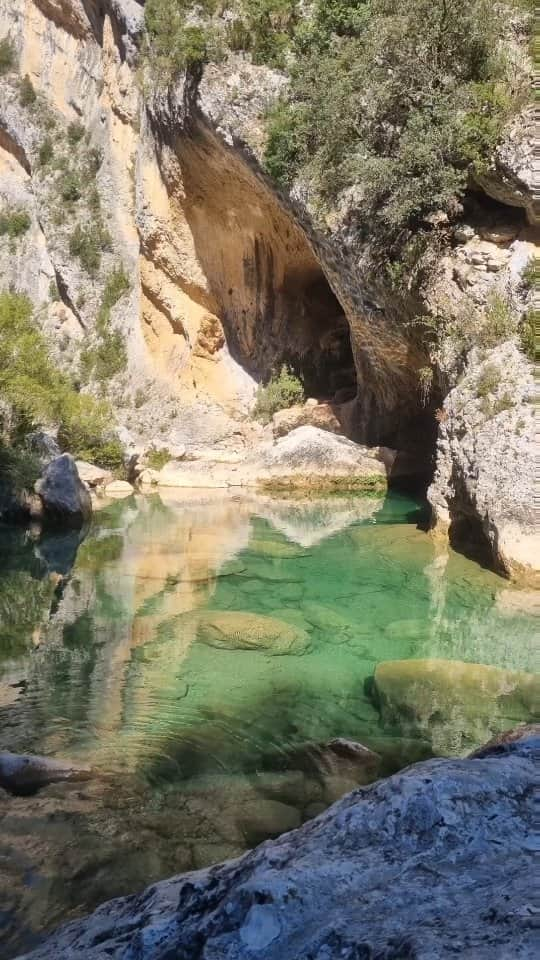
[392,104]
[282,390]
[34,393]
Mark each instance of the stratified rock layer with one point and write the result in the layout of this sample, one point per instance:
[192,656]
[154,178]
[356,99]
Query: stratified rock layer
[434,862]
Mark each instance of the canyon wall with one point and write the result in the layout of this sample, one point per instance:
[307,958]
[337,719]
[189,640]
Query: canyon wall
[228,277]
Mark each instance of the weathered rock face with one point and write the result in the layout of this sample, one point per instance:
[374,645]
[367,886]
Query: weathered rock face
[484,483]
[352,883]
[64,497]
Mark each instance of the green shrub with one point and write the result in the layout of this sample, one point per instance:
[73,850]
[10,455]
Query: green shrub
[106,358]
[75,133]
[34,392]
[529,334]
[282,391]
[27,94]
[531,273]
[174,44]
[488,380]
[19,470]
[116,286]
[85,430]
[499,323]
[13,223]
[7,56]
[87,243]
[156,459]
[71,187]
[400,99]
[46,152]
[94,159]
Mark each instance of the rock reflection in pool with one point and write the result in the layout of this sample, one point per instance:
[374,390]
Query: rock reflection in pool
[199,745]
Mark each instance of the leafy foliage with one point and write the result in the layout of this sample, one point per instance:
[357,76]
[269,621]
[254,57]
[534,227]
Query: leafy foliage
[157,459]
[396,100]
[107,357]
[87,243]
[75,133]
[71,187]
[488,380]
[265,28]
[33,391]
[529,335]
[499,323]
[7,55]
[280,392]
[175,42]
[27,94]
[13,223]
[46,152]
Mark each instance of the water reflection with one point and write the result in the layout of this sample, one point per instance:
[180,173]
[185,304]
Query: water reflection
[201,748]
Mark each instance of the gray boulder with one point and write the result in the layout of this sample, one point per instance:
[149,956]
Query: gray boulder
[64,496]
[434,862]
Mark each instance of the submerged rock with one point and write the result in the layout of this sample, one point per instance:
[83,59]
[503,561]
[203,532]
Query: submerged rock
[433,862]
[25,774]
[454,705]
[64,496]
[338,766]
[239,630]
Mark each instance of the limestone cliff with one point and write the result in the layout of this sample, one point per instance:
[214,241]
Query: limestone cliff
[227,276]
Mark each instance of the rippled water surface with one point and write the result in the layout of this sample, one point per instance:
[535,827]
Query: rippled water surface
[200,747]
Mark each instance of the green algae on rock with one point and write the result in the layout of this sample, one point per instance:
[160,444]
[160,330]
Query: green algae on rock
[241,630]
[455,705]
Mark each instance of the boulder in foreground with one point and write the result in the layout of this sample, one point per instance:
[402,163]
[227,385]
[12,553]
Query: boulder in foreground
[432,863]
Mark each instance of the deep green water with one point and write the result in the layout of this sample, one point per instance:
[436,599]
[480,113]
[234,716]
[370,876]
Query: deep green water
[200,752]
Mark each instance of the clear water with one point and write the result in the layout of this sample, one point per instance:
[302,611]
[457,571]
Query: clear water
[198,752]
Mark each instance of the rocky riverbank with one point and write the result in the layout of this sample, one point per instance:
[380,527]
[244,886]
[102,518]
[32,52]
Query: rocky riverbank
[433,862]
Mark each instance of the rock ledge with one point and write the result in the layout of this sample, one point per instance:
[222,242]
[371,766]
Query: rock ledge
[431,863]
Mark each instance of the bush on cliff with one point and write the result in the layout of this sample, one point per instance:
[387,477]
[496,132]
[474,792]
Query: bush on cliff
[34,392]
[392,104]
[282,390]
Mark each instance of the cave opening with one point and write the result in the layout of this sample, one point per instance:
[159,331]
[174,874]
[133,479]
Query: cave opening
[315,341]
